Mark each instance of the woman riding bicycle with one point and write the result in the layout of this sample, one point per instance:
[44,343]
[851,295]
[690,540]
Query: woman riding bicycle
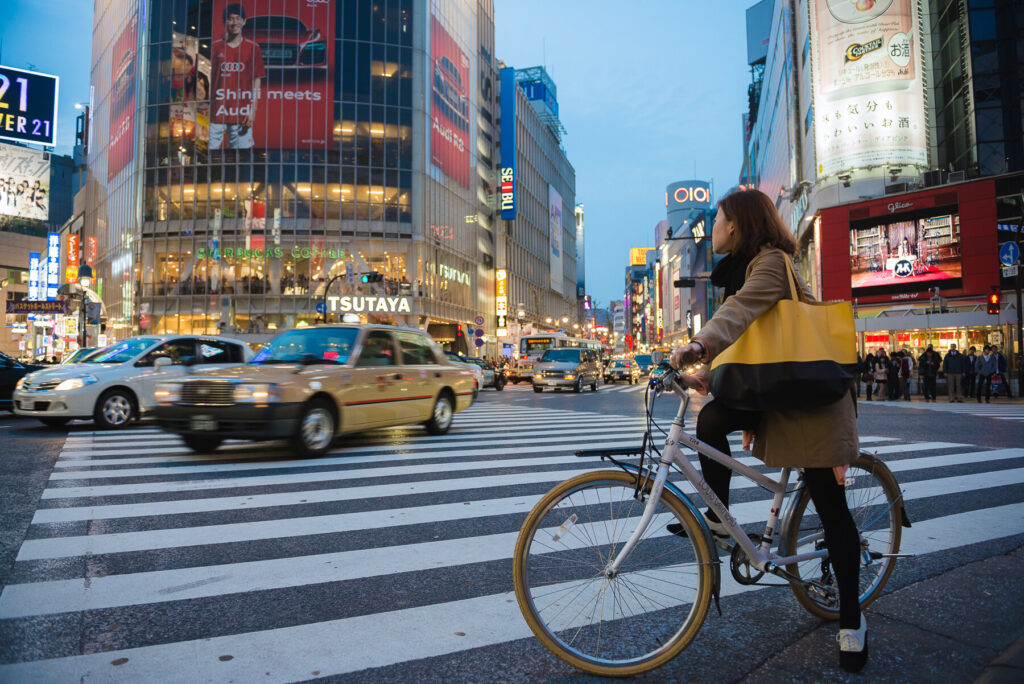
[822,440]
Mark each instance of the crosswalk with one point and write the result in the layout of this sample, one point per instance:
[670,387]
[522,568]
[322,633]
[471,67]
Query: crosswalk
[602,388]
[247,564]
[998,411]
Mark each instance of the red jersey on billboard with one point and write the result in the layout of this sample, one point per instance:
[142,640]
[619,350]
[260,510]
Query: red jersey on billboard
[271,65]
[449,111]
[122,99]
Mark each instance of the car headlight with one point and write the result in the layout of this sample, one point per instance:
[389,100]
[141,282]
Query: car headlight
[570,376]
[254,393]
[167,392]
[21,381]
[538,375]
[75,383]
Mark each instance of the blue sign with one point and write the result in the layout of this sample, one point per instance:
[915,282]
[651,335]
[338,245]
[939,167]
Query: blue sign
[479,332]
[321,308]
[52,266]
[507,183]
[1009,253]
[35,274]
[479,342]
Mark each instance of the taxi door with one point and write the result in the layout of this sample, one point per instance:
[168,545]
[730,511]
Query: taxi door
[377,385]
[424,374]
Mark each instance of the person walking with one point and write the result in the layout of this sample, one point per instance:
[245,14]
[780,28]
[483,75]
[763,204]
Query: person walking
[880,369]
[970,372]
[868,371]
[906,364]
[856,377]
[822,440]
[985,367]
[929,365]
[953,367]
[1001,368]
[893,376]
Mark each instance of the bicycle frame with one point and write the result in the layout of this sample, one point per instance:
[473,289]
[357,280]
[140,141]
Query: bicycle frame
[760,556]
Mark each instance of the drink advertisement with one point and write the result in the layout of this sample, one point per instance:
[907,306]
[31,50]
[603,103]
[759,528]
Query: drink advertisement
[889,257]
[449,105]
[271,81]
[122,99]
[867,87]
[555,237]
[24,183]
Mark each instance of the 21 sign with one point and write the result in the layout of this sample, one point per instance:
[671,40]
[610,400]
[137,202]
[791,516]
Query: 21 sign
[28,106]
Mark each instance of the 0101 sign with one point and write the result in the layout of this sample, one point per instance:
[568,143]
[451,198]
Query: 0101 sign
[28,106]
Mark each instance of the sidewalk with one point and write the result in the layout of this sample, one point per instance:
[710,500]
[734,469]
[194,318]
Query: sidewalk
[963,625]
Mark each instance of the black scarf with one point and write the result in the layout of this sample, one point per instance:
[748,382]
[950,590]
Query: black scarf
[730,273]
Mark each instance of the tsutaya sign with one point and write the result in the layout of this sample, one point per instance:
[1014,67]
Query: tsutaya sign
[369,304]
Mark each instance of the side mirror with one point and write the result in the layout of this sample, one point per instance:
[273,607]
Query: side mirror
[657,356]
[161,362]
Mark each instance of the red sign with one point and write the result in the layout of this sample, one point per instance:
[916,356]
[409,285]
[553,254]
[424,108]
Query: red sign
[272,83]
[449,109]
[122,99]
[144,321]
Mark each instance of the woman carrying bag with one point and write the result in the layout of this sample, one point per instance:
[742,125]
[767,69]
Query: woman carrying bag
[820,437]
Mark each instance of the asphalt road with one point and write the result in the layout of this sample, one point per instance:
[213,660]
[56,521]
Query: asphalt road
[123,557]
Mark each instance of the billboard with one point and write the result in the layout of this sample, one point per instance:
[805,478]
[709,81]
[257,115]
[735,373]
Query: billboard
[508,144]
[28,106]
[271,75]
[759,26]
[868,92]
[122,99]
[24,182]
[501,296]
[555,238]
[895,256]
[638,256]
[52,265]
[449,105]
[71,270]
[36,290]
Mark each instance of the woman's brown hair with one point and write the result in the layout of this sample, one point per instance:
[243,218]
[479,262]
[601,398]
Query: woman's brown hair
[757,223]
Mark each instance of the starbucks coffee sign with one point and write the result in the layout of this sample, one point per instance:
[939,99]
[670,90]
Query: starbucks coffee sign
[368,304]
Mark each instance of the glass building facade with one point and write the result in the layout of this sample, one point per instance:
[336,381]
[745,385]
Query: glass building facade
[256,161]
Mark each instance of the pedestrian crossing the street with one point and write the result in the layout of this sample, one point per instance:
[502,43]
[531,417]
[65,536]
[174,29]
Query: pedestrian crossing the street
[987,410]
[248,564]
[624,387]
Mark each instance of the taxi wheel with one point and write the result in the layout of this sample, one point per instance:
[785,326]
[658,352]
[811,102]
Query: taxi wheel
[578,387]
[315,430]
[202,444]
[114,410]
[593,385]
[441,417]
[538,390]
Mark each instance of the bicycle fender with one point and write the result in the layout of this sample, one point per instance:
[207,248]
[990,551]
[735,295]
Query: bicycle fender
[716,563]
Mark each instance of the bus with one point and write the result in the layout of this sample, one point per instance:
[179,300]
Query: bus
[532,347]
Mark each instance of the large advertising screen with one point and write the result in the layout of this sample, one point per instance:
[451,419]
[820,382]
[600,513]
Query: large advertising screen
[892,257]
[28,106]
[555,237]
[271,81]
[868,91]
[122,99]
[449,105]
[24,183]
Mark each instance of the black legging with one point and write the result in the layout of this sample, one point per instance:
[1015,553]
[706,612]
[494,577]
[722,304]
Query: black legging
[714,423]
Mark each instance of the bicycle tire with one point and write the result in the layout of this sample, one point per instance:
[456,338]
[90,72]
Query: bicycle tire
[657,552]
[867,512]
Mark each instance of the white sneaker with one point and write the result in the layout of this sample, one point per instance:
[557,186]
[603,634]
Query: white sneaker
[853,647]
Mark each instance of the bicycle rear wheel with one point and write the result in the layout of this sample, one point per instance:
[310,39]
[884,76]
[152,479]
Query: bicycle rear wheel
[634,622]
[875,503]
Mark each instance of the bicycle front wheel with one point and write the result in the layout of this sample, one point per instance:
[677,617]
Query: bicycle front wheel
[875,503]
[635,621]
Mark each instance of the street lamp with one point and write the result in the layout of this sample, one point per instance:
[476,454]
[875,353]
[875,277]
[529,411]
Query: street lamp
[548,320]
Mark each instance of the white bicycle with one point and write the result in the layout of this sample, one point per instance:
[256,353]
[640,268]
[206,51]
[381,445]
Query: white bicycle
[606,588]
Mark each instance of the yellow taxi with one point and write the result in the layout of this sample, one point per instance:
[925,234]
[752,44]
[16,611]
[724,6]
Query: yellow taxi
[309,385]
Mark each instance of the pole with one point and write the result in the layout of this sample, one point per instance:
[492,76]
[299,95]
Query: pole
[323,297]
[1020,313]
[83,316]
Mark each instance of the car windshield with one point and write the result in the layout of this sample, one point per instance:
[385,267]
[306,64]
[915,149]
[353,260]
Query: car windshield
[309,345]
[620,364]
[121,352]
[644,359]
[478,362]
[563,355]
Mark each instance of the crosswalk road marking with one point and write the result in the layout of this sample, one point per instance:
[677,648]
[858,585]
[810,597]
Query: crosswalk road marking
[624,387]
[249,522]
[997,411]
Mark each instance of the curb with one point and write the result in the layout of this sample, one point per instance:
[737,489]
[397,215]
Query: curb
[1005,668]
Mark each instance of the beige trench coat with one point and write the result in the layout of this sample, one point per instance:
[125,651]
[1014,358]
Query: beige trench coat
[818,437]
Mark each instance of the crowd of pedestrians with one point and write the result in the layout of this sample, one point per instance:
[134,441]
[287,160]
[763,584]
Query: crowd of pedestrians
[887,377]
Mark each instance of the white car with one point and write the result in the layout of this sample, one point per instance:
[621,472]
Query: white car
[115,385]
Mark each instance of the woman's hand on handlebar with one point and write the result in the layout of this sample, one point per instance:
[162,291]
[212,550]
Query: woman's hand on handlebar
[698,381]
[686,355]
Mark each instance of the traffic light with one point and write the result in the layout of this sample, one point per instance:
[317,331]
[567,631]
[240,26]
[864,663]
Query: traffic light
[372,277]
[993,302]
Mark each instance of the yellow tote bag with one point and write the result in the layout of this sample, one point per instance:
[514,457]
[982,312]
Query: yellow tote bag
[797,354]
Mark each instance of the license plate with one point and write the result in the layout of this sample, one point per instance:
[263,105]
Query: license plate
[204,423]
[552,382]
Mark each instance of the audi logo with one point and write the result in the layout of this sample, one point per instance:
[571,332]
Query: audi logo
[232,67]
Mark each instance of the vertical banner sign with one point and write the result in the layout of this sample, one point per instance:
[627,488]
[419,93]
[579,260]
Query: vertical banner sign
[271,71]
[52,265]
[122,98]
[34,276]
[449,105]
[71,274]
[555,238]
[501,296]
[508,144]
[91,250]
[868,91]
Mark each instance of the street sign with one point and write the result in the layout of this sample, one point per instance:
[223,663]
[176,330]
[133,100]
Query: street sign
[479,342]
[479,320]
[321,307]
[1009,253]
[1010,271]
[479,332]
